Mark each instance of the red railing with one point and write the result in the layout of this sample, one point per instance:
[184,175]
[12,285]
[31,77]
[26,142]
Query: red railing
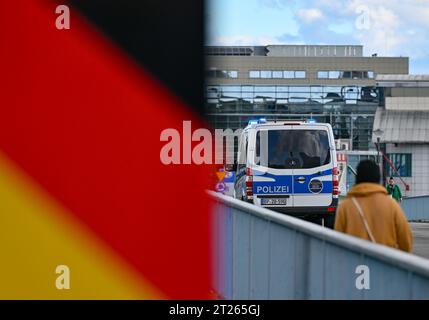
[407,186]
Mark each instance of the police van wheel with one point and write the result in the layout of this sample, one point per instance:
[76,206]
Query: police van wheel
[329,221]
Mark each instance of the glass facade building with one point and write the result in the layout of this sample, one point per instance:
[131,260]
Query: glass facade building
[332,84]
[349,109]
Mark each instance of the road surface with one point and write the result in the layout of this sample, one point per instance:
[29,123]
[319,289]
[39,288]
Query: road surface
[421,239]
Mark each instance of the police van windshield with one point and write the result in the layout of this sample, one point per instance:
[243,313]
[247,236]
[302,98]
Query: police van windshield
[292,149]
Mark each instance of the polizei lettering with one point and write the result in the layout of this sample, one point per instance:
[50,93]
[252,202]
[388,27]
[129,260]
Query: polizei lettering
[272,189]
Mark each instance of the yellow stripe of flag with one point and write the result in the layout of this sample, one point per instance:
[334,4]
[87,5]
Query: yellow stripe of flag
[37,234]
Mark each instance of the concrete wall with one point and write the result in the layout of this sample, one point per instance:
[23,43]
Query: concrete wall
[407,99]
[314,51]
[379,65]
[407,103]
[408,92]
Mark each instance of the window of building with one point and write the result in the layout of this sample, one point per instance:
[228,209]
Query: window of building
[232,74]
[231,92]
[221,74]
[277,74]
[357,75]
[334,74]
[288,74]
[316,94]
[402,163]
[212,92]
[299,94]
[254,74]
[300,74]
[346,74]
[329,74]
[282,93]
[247,88]
[322,74]
[266,74]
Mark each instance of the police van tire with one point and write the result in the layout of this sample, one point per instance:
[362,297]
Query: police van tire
[329,221]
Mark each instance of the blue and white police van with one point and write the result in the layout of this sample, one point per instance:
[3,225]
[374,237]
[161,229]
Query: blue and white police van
[289,167]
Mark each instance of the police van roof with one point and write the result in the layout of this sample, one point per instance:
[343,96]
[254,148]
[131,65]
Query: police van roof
[270,123]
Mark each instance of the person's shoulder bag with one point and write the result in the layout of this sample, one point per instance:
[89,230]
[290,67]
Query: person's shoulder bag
[365,222]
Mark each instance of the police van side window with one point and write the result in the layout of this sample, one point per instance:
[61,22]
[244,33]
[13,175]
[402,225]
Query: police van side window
[261,150]
[242,161]
[258,149]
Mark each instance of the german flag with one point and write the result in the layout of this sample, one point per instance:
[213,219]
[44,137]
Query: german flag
[81,181]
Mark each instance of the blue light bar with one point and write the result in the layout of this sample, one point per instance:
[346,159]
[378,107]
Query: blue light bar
[311,120]
[259,121]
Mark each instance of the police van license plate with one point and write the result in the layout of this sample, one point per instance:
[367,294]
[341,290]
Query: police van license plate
[274,201]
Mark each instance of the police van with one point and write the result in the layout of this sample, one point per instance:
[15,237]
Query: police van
[289,167]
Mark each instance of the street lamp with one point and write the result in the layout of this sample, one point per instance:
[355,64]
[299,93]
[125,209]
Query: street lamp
[378,134]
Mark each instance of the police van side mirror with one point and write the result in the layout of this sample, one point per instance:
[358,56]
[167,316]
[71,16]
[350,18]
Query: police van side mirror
[231,167]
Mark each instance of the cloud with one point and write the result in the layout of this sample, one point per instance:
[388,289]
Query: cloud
[394,27]
[386,27]
[310,15]
[382,32]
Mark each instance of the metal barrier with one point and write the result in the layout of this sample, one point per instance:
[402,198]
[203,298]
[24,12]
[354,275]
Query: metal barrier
[416,208]
[261,254]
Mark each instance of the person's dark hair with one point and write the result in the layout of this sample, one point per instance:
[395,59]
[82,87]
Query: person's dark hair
[368,171]
[391,178]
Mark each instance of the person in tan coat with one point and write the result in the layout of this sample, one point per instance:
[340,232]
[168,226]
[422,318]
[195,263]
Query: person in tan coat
[369,213]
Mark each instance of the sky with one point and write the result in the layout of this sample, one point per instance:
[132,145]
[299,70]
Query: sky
[386,27]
